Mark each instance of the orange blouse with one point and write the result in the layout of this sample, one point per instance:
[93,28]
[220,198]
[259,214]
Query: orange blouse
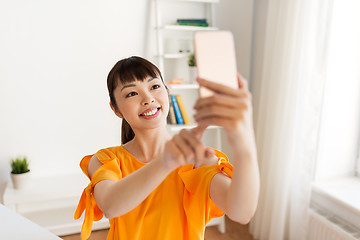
[179,208]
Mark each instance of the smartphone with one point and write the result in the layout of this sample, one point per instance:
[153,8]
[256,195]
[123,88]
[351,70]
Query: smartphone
[215,59]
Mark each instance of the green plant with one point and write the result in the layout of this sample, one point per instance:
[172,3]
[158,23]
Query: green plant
[19,165]
[191,60]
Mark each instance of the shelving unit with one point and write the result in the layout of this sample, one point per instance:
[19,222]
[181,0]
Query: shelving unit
[173,45]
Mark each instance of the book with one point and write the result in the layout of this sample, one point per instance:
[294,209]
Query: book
[199,22]
[176,81]
[171,119]
[178,116]
[183,109]
[193,24]
[194,20]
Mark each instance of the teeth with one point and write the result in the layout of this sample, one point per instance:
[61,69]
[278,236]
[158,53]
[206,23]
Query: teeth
[151,112]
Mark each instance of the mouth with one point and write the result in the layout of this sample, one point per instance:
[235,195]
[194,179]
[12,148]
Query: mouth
[150,112]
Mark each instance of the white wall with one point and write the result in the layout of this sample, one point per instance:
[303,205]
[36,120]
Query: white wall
[55,57]
[237,16]
[54,60]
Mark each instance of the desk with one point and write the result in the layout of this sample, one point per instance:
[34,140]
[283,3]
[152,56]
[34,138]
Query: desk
[15,227]
[50,202]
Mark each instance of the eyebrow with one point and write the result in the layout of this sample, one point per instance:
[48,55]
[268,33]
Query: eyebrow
[133,85]
[127,86]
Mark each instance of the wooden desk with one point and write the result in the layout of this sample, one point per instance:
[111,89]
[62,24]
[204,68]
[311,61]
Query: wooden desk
[16,227]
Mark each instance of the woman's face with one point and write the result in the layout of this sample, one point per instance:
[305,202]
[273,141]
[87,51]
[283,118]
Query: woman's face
[143,104]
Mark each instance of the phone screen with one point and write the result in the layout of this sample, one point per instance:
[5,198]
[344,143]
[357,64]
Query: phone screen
[215,58]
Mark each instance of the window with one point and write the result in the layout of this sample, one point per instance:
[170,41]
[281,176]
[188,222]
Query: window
[357,167]
[339,137]
[357,170]
[337,177]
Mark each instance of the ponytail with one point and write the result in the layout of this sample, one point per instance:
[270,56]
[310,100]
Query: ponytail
[127,134]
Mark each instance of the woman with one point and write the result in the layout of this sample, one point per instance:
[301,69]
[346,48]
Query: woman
[155,186]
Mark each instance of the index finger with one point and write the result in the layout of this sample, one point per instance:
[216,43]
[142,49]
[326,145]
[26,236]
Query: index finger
[199,131]
[217,87]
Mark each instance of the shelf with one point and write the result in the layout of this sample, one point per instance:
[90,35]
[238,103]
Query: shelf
[188,28]
[176,55]
[195,1]
[177,127]
[185,86]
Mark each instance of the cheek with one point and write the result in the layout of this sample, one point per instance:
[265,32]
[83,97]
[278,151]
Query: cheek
[166,107]
[127,110]
[165,100]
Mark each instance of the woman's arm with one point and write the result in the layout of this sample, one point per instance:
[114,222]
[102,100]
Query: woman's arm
[118,198]
[232,110]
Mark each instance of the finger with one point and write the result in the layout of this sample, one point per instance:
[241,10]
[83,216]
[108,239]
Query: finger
[220,111]
[223,100]
[243,82]
[174,154]
[217,87]
[196,145]
[209,153]
[226,123]
[187,154]
[198,131]
[231,110]
[240,82]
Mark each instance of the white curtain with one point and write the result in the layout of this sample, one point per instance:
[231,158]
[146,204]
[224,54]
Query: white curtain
[287,84]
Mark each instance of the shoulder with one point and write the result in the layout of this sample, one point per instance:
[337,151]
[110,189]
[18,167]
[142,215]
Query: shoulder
[94,164]
[108,154]
[102,157]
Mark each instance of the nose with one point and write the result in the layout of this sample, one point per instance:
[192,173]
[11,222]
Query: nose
[148,99]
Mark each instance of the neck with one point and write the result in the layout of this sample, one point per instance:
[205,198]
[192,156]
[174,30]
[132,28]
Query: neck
[148,144]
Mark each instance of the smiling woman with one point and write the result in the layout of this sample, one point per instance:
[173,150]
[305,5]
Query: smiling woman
[153,174]
[130,73]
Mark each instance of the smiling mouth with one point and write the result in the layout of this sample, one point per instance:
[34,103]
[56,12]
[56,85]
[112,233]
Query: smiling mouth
[150,113]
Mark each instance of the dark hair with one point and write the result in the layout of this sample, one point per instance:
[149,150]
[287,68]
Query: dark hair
[125,71]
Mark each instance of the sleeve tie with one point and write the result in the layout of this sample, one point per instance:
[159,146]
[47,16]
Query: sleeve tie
[92,212]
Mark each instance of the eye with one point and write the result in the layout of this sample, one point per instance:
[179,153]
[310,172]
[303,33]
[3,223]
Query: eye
[156,86]
[131,94]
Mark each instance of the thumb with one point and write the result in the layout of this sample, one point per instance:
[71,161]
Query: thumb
[209,153]
[199,131]
[242,82]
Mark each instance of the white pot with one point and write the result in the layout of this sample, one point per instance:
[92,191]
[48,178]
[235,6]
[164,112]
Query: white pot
[20,180]
[192,74]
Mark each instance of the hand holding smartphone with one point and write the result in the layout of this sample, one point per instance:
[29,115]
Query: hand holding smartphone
[215,59]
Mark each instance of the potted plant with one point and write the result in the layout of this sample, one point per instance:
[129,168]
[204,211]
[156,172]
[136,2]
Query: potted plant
[19,172]
[192,68]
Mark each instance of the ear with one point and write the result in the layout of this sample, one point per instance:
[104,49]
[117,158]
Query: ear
[117,113]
